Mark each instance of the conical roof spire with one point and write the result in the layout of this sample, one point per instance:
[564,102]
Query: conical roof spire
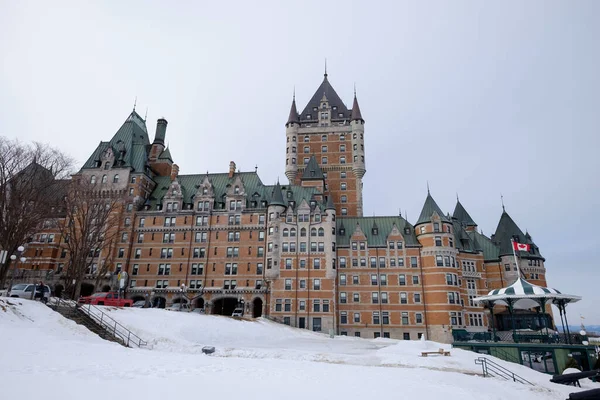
[293,117]
[428,208]
[356,115]
[462,215]
[329,205]
[277,199]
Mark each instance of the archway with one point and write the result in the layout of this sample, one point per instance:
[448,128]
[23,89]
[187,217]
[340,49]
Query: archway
[178,300]
[159,302]
[87,289]
[138,298]
[224,306]
[257,306]
[199,303]
[106,288]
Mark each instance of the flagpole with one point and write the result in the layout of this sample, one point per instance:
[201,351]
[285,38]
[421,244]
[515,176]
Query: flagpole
[512,242]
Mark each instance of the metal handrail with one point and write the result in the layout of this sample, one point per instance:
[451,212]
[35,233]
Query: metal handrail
[107,323]
[490,368]
[112,326]
[506,356]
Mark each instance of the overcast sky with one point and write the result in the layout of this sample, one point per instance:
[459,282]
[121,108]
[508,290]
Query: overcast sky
[478,98]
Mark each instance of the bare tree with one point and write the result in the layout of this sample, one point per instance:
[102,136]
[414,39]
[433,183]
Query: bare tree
[90,228]
[31,187]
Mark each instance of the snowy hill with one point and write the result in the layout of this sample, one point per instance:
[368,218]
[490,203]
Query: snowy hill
[254,359]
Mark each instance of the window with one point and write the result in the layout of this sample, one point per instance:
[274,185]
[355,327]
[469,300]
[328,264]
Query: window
[404,318]
[402,280]
[306,149]
[343,317]
[316,284]
[324,148]
[355,280]
[417,297]
[302,305]
[438,241]
[342,262]
[343,279]
[316,305]
[343,186]
[116,178]
[373,279]
[415,279]
[439,261]
[384,298]
[278,304]
[344,211]
[104,178]
[356,317]
[343,298]
[288,284]
[376,318]
[375,298]
[342,160]
[383,280]
[403,298]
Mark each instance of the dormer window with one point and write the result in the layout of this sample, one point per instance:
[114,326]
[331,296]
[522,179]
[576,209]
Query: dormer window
[324,115]
[307,116]
[407,231]
[106,165]
[116,178]
[289,194]
[334,108]
[375,231]
[340,115]
[204,191]
[104,178]
[312,173]
[236,190]
[93,179]
[342,231]
[312,202]
[292,204]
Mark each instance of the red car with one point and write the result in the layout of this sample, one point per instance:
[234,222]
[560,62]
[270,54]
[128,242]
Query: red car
[106,299]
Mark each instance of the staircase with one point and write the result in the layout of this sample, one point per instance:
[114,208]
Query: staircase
[490,368]
[97,321]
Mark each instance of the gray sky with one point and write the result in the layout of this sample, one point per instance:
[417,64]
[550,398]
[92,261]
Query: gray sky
[477,98]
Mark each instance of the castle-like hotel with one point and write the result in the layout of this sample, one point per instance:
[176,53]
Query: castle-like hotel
[300,253]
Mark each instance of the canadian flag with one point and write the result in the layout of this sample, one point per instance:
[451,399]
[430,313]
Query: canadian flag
[521,246]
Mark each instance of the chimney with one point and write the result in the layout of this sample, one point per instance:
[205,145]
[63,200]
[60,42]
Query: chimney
[231,169]
[161,131]
[174,171]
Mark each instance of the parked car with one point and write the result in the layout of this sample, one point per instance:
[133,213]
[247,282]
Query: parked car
[198,310]
[106,299]
[140,304]
[25,290]
[178,307]
[238,312]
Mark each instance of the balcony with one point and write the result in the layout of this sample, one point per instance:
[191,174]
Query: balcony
[471,274]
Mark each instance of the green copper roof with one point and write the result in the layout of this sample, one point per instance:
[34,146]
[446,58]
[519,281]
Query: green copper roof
[384,225]
[428,208]
[507,229]
[462,215]
[490,251]
[464,242]
[166,155]
[312,170]
[277,196]
[130,142]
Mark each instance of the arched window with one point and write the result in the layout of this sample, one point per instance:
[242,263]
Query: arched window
[293,232]
[306,138]
[93,179]
[204,190]
[303,232]
[313,232]
[306,149]
[116,178]
[354,136]
[321,232]
[286,232]
[104,178]
[236,190]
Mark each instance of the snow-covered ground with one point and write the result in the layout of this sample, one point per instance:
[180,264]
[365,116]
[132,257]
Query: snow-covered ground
[44,354]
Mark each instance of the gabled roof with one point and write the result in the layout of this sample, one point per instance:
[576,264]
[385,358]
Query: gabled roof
[132,137]
[293,113]
[428,208]
[356,115]
[384,227]
[464,242]
[462,216]
[166,155]
[332,97]
[312,170]
[507,229]
[277,199]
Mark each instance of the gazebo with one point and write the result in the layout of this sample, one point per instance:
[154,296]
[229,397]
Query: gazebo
[525,295]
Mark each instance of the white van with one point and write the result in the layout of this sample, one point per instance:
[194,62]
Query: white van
[238,312]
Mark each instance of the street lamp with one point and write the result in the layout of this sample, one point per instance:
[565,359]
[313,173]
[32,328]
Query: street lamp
[15,259]
[182,291]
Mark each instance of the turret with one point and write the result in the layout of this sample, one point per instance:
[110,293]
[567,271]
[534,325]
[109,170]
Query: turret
[358,144]
[291,133]
[158,146]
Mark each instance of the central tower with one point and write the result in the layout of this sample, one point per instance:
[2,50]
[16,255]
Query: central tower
[332,133]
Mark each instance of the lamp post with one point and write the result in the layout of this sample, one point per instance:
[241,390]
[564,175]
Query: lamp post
[15,258]
[182,291]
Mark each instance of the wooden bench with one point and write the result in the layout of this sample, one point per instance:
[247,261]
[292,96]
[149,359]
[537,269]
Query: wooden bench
[573,379]
[440,351]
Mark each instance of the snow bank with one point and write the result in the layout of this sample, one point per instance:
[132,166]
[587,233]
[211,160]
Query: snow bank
[255,359]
